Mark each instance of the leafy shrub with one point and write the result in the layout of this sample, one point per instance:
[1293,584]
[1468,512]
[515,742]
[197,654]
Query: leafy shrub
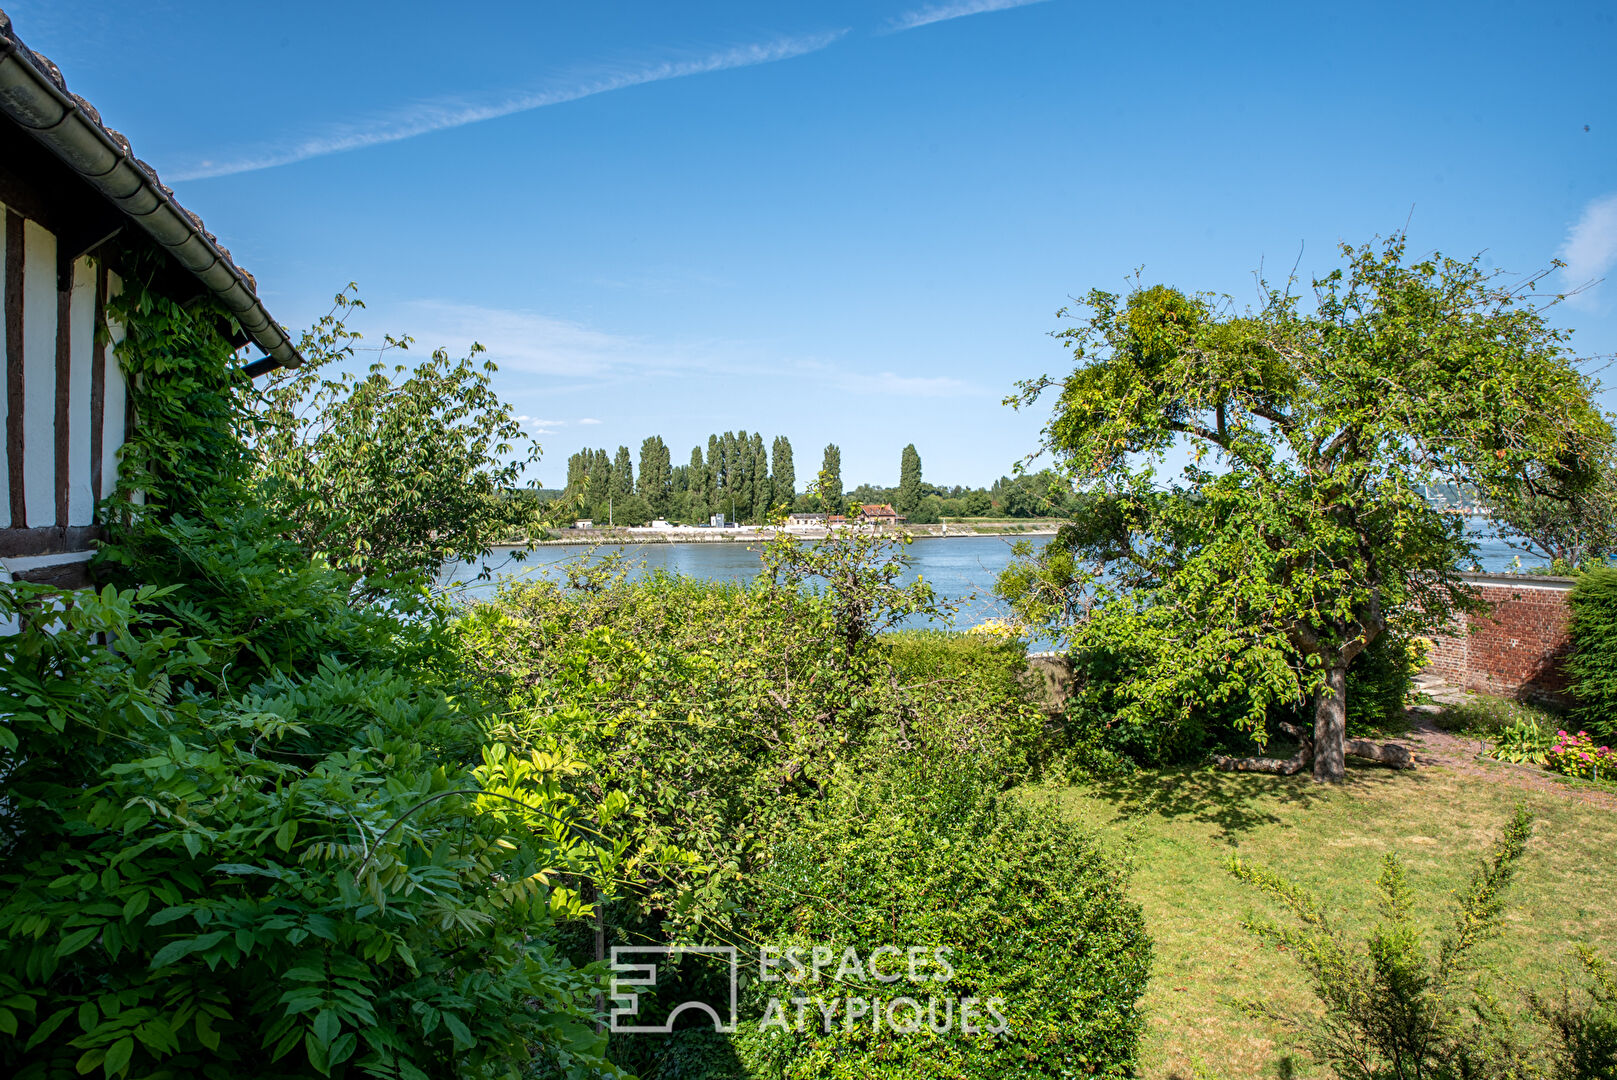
[1486,716]
[232,848]
[973,699]
[392,472]
[1378,682]
[1593,663]
[1035,916]
[736,717]
[1392,1008]
[1583,1032]
[724,710]
[1579,755]
[1109,725]
[1523,743]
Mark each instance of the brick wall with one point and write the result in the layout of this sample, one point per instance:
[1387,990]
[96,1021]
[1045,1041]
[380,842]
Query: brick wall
[1518,649]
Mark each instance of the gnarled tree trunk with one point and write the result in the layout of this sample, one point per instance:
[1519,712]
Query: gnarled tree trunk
[1330,726]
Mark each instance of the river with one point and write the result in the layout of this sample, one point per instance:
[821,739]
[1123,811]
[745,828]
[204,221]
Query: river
[961,568]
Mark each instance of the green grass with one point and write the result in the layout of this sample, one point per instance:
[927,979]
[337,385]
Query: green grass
[1179,826]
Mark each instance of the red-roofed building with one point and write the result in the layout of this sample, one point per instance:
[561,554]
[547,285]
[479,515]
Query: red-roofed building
[880,514]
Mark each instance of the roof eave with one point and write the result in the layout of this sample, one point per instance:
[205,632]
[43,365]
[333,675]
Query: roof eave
[35,97]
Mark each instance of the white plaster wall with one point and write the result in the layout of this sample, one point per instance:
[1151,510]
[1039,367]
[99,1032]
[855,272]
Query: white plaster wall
[39,374]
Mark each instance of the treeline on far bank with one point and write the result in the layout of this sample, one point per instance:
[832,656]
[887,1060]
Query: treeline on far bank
[736,476]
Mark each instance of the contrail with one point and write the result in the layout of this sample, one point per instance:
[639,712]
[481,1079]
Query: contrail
[441,115]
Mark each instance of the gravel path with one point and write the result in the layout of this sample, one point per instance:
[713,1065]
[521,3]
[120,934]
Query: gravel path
[1434,747]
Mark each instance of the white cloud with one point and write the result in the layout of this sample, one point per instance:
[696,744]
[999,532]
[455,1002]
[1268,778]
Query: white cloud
[888,383]
[589,420]
[540,344]
[1590,249]
[429,116]
[958,9]
[528,342]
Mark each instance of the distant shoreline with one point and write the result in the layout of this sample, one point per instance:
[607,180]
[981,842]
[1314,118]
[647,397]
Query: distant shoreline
[746,535]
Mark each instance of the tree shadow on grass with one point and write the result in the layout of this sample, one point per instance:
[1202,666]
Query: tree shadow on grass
[1234,803]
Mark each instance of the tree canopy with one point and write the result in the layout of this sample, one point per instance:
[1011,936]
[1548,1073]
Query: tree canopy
[1298,532]
[909,481]
[394,471]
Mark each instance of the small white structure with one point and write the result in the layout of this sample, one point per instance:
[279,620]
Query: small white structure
[584,523]
[717,521]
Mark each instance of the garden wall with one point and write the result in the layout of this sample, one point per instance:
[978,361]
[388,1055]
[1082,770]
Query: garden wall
[1519,649]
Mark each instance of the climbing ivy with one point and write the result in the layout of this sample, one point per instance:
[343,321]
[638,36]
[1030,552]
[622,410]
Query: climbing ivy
[187,396]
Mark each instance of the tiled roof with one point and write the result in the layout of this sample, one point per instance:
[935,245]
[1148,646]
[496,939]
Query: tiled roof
[34,96]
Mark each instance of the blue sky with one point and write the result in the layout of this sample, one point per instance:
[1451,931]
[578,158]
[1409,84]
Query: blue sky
[847,222]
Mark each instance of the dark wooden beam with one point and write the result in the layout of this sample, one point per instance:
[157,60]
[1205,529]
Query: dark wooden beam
[50,540]
[67,575]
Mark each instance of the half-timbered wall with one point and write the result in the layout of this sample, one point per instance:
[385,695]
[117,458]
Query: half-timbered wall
[63,404]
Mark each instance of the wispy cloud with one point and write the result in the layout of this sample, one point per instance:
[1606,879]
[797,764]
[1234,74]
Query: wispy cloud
[1590,249]
[425,117]
[886,382]
[583,357]
[539,344]
[589,420]
[958,9]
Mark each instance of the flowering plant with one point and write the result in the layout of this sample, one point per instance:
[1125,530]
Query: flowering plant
[1577,755]
[1002,629]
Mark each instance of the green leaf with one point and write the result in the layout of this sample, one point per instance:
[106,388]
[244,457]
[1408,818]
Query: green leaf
[173,951]
[317,1053]
[77,940]
[326,1026]
[118,1055]
[168,915]
[459,1031]
[46,1029]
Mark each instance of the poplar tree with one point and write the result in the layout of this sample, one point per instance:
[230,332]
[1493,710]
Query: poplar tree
[715,474]
[830,480]
[909,481]
[656,484]
[732,474]
[622,475]
[698,486]
[578,472]
[762,490]
[782,474]
[598,484]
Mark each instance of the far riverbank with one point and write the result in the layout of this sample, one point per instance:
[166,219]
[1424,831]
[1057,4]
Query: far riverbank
[750,534]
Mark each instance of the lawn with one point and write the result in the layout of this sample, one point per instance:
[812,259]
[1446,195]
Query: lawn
[1180,826]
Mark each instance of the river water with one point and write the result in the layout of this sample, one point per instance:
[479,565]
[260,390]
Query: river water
[962,569]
